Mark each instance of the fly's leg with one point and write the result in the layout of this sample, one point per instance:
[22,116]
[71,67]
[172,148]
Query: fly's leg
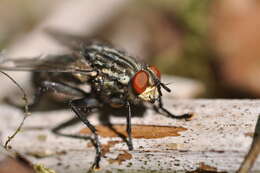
[85,105]
[79,107]
[49,86]
[169,114]
[118,102]
[129,127]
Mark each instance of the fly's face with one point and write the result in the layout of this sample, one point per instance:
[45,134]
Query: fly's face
[146,84]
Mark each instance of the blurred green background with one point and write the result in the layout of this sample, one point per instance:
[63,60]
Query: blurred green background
[212,42]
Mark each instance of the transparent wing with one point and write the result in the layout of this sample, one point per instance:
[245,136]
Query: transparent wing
[60,63]
[73,41]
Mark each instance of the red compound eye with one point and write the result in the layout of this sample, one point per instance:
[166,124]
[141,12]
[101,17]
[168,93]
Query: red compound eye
[140,81]
[156,71]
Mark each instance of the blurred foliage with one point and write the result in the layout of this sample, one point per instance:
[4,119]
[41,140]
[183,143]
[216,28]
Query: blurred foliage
[173,34]
[197,56]
[195,59]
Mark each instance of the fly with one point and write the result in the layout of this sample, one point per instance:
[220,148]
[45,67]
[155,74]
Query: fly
[115,78]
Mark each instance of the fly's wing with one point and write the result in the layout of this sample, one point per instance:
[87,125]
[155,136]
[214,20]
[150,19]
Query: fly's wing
[61,63]
[74,63]
[73,41]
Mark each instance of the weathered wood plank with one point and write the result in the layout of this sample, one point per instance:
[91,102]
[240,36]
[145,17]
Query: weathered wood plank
[217,138]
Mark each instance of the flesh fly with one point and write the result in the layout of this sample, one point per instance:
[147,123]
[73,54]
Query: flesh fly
[115,78]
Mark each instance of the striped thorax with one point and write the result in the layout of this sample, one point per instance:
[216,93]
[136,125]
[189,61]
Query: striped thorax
[120,75]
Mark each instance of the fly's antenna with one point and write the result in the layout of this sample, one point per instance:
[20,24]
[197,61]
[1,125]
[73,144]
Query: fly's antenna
[165,87]
[169,83]
[26,111]
[160,84]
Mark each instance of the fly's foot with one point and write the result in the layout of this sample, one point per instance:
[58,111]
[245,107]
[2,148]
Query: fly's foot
[95,167]
[130,145]
[188,116]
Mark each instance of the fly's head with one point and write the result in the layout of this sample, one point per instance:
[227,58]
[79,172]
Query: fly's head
[147,85]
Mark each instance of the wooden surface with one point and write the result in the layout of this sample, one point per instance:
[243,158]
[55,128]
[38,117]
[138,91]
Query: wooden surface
[217,138]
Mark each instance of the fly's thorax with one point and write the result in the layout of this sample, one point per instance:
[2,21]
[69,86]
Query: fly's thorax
[118,70]
[108,85]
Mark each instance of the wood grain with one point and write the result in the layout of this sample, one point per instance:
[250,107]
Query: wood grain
[217,138]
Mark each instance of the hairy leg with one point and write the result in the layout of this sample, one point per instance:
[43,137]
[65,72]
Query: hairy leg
[129,127]
[86,105]
[169,114]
